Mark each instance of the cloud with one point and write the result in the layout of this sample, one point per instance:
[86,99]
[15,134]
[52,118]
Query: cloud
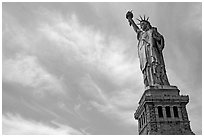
[92,89]
[89,47]
[119,104]
[62,43]
[15,124]
[195,22]
[125,116]
[26,71]
[62,51]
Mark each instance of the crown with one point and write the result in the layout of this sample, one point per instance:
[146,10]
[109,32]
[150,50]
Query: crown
[143,19]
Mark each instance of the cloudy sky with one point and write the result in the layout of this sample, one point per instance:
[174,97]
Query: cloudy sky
[72,68]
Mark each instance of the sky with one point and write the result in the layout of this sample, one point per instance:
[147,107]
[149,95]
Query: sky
[72,68]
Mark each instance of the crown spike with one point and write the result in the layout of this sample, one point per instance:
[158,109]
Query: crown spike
[147,18]
[144,17]
[141,18]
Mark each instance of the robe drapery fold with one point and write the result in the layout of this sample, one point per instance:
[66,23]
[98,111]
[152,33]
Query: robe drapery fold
[150,47]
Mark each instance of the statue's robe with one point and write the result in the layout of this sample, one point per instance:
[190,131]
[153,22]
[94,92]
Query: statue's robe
[150,47]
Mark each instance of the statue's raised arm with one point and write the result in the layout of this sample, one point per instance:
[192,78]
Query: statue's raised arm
[129,16]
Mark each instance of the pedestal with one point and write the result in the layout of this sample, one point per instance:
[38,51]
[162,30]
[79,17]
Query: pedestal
[162,111]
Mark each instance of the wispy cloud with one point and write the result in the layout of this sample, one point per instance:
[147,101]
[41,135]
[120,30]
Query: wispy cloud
[100,58]
[16,125]
[26,71]
[105,55]
[71,43]
[89,46]
[117,105]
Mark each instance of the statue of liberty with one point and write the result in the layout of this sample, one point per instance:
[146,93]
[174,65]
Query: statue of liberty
[150,46]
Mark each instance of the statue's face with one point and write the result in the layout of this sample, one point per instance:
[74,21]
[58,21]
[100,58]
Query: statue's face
[144,26]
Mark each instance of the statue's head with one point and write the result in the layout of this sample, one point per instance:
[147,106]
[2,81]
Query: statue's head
[144,23]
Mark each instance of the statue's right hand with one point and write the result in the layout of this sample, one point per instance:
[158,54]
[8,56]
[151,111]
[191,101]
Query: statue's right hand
[129,15]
